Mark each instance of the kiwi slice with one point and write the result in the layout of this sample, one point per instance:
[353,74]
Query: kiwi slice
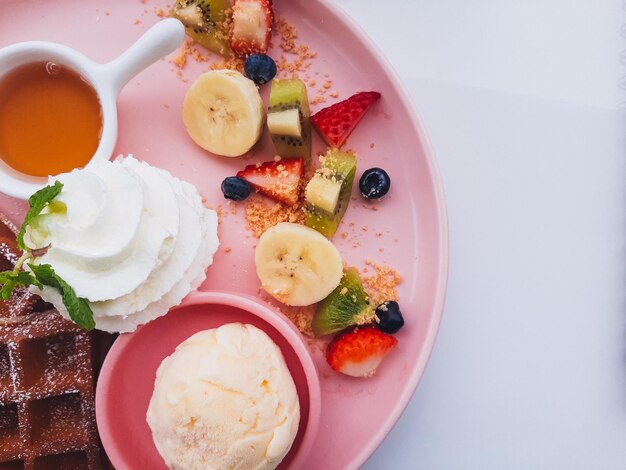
[347,305]
[328,193]
[207,22]
[291,139]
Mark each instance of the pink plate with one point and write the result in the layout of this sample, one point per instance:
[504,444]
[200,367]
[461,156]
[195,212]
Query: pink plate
[406,230]
[127,376]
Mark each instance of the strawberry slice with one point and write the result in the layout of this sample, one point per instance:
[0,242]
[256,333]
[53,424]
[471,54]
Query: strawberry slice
[252,26]
[359,352]
[336,122]
[279,180]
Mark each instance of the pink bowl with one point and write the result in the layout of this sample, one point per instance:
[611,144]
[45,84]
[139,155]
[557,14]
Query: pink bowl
[127,376]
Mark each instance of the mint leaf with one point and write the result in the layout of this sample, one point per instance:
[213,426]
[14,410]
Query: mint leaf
[78,308]
[10,279]
[37,203]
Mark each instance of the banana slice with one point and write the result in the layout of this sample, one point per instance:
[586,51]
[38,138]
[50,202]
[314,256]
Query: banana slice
[297,265]
[223,113]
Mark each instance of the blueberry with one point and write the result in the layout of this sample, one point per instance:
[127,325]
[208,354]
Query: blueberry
[389,316]
[374,183]
[235,188]
[260,68]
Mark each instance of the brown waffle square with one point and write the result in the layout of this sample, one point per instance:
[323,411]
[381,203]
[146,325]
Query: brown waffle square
[47,415]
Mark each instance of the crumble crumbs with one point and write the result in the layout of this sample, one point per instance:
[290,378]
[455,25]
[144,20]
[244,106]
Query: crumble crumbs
[301,317]
[230,63]
[383,284]
[262,214]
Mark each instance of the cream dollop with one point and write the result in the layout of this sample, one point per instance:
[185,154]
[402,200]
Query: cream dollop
[224,399]
[130,238]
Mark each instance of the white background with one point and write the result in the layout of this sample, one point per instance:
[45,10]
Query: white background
[520,100]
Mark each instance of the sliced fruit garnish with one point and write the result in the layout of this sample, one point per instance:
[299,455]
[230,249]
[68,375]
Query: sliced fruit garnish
[279,180]
[358,353]
[297,265]
[223,112]
[374,183]
[260,68]
[288,100]
[389,316]
[336,122]
[347,305]
[252,26]
[285,123]
[328,193]
[206,22]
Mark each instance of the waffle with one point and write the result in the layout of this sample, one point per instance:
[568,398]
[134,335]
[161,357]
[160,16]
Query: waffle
[47,414]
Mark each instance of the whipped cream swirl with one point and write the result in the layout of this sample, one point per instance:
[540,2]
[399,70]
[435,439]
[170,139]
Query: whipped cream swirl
[130,238]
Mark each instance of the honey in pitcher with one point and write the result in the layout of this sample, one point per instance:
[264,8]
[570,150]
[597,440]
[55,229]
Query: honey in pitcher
[50,119]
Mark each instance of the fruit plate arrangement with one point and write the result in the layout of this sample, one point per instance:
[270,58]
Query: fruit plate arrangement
[405,230]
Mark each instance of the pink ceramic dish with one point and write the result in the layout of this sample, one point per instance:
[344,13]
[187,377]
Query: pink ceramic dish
[406,230]
[127,377]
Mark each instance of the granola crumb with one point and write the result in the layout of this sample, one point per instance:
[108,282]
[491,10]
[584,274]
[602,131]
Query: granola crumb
[295,58]
[382,284]
[160,12]
[262,214]
[228,249]
[230,63]
[180,60]
[334,94]
[287,34]
[302,317]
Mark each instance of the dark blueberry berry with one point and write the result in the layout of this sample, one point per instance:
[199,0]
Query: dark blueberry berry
[374,183]
[389,316]
[260,68]
[235,188]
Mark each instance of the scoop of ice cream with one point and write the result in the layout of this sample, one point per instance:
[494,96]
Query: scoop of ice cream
[224,400]
[130,238]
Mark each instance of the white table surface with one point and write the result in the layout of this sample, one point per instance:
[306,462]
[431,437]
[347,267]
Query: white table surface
[521,103]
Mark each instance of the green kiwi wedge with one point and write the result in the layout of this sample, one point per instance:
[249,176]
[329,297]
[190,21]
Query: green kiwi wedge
[206,22]
[288,118]
[327,194]
[347,305]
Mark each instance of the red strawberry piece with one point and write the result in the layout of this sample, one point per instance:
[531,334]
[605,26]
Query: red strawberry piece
[359,352]
[336,122]
[252,26]
[279,180]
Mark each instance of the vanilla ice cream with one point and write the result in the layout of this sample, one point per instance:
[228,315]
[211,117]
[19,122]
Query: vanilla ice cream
[224,400]
[130,238]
